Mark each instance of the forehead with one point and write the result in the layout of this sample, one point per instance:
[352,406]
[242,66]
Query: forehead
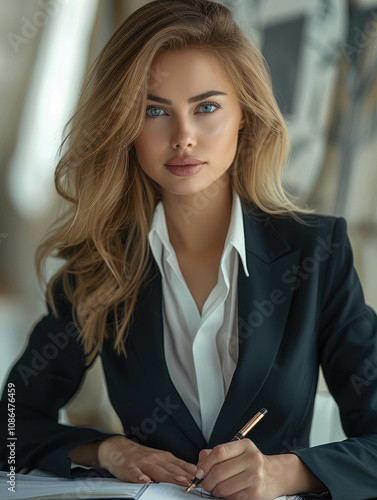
[187,72]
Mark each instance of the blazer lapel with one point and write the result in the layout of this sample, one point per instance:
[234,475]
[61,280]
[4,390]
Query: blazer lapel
[264,300]
[148,331]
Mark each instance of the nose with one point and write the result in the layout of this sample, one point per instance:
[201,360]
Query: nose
[182,135]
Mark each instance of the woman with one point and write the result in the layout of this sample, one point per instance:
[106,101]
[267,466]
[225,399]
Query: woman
[205,290]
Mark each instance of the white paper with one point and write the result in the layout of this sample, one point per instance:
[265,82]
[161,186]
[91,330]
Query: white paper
[59,488]
[160,491]
[32,487]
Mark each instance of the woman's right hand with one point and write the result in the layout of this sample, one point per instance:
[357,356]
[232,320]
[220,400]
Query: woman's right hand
[135,463]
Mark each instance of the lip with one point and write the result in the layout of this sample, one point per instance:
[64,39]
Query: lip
[185,170]
[186,161]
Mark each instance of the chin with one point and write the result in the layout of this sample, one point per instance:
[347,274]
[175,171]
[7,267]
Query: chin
[181,190]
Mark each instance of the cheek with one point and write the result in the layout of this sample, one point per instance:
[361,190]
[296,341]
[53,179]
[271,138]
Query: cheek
[224,131]
[145,146]
[222,137]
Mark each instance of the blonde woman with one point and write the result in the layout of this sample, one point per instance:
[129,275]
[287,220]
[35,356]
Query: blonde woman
[207,293]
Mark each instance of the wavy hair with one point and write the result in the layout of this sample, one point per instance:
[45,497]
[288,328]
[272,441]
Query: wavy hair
[102,235]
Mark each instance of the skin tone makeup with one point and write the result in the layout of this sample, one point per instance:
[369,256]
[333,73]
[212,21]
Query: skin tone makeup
[192,115]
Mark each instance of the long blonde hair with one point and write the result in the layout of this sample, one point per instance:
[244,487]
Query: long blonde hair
[102,236]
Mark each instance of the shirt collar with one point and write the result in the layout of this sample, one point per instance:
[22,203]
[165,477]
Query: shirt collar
[159,237]
[236,234]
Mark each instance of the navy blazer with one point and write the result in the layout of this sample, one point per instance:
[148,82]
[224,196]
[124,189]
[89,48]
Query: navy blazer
[301,306]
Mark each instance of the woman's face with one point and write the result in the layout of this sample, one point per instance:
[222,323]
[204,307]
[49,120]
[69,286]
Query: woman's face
[206,129]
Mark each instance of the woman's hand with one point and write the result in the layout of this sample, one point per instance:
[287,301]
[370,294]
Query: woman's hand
[135,463]
[239,471]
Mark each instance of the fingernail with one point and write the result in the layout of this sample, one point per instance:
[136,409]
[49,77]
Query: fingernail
[182,479]
[200,474]
[144,478]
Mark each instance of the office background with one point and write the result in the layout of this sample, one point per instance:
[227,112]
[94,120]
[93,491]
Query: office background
[323,60]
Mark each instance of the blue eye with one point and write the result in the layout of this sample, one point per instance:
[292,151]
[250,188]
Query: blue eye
[153,108]
[211,105]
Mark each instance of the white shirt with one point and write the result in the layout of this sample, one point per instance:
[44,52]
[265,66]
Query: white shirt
[201,351]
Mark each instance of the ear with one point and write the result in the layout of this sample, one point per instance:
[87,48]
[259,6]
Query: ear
[242,122]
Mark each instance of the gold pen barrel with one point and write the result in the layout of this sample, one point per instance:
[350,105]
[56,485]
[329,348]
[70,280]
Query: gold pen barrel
[240,435]
[261,413]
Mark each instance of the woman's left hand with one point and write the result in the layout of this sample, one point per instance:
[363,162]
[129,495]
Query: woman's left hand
[239,471]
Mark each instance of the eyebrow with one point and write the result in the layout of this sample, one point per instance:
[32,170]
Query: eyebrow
[196,98]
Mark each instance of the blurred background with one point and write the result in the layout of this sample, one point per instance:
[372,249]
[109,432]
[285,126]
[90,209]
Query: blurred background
[323,60]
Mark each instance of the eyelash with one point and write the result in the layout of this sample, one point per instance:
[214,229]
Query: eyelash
[216,105]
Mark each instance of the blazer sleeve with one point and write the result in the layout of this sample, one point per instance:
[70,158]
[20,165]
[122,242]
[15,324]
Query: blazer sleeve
[43,379]
[348,354]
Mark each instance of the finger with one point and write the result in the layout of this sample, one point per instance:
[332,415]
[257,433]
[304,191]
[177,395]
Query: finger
[245,494]
[248,468]
[250,459]
[189,469]
[252,486]
[222,472]
[183,480]
[161,474]
[188,475]
[133,475]
[224,452]
[179,471]
[203,454]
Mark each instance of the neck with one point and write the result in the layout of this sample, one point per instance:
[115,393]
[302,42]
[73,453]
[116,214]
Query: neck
[199,223]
